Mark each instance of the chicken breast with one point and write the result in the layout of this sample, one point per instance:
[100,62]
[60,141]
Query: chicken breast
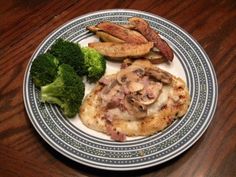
[139,100]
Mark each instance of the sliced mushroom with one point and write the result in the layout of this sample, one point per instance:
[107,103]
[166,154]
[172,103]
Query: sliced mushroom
[129,74]
[126,62]
[159,75]
[150,94]
[125,76]
[135,86]
[139,72]
[134,107]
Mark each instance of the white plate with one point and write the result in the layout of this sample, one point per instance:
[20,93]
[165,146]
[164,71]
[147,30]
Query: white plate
[71,138]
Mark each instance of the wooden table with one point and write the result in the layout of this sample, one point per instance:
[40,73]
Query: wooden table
[24,24]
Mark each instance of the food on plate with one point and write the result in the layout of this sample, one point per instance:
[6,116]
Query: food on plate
[44,69]
[95,64]
[151,35]
[69,53]
[92,28]
[121,32]
[137,31]
[105,37]
[55,73]
[139,100]
[154,57]
[67,91]
[118,51]
[129,26]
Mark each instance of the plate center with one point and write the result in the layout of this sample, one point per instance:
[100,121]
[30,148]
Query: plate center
[175,68]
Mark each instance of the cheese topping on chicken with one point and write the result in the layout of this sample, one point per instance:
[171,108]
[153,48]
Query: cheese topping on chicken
[140,100]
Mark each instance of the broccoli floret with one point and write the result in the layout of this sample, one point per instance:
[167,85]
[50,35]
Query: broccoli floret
[67,91]
[69,53]
[95,63]
[44,69]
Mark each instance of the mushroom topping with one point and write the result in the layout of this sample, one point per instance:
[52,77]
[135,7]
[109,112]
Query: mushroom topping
[150,94]
[104,81]
[110,91]
[131,73]
[126,62]
[134,107]
[139,72]
[109,87]
[135,86]
[159,75]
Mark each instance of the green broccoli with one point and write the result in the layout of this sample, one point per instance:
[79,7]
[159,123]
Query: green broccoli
[69,53]
[95,63]
[67,91]
[44,69]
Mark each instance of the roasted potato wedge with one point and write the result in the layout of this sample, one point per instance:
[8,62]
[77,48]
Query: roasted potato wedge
[93,28]
[151,35]
[122,33]
[105,37]
[155,57]
[119,51]
[128,26]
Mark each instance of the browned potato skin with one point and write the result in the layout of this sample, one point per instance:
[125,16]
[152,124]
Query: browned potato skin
[105,37]
[156,57]
[151,35]
[153,56]
[119,51]
[93,28]
[128,26]
[122,33]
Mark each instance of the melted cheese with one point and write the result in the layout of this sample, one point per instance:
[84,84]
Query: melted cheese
[116,113]
[161,101]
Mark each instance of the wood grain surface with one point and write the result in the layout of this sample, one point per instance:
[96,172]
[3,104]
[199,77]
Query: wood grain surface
[25,23]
